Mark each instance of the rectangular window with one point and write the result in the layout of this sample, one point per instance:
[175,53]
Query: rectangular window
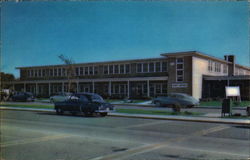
[91,70]
[76,71]
[151,67]
[43,72]
[63,72]
[145,67]
[139,67]
[51,72]
[158,66]
[95,69]
[224,68]
[127,68]
[105,69]
[111,69]
[122,88]
[55,71]
[31,73]
[179,66]
[158,88]
[121,68]
[86,70]
[210,66]
[81,71]
[179,60]
[164,67]
[35,73]
[179,69]
[116,69]
[39,72]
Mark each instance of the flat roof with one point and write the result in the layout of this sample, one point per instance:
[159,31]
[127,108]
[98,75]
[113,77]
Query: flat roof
[202,55]
[219,78]
[91,63]
[164,55]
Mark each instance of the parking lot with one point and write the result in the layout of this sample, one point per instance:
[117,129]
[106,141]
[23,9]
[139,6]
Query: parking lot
[41,135]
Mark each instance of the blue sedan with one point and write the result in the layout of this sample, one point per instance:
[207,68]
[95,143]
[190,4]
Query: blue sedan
[86,103]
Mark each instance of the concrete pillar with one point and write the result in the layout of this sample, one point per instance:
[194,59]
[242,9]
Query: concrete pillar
[62,86]
[13,87]
[77,87]
[49,89]
[128,89]
[24,87]
[37,89]
[109,88]
[148,89]
[93,86]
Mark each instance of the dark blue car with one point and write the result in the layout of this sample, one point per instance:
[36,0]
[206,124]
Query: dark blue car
[85,103]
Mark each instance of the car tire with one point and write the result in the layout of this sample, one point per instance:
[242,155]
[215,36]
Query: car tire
[103,114]
[59,111]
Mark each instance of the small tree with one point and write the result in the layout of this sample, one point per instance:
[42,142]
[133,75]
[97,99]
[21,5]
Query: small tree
[69,69]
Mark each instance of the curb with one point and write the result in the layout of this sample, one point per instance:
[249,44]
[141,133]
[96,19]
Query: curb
[151,105]
[157,117]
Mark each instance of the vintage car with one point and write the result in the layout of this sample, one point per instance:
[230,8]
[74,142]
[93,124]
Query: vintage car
[176,99]
[59,97]
[86,103]
[22,96]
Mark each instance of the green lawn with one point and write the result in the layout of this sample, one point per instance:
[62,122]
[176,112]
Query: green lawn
[154,112]
[29,106]
[218,103]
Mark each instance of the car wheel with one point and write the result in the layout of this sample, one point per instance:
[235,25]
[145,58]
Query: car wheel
[103,114]
[158,104]
[59,111]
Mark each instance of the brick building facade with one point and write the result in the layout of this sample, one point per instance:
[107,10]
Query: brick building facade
[140,78]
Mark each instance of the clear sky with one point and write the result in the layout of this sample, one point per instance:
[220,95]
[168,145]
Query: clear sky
[35,33]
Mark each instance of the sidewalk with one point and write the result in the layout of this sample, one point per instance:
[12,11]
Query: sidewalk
[160,117]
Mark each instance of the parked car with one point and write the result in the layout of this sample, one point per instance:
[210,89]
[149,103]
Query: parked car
[86,103]
[23,96]
[59,97]
[176,99]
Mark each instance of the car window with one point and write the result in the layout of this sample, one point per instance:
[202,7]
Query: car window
[97,98]
[74,98]
[83,98]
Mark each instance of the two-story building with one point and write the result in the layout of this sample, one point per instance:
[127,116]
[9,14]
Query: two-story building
[189,72]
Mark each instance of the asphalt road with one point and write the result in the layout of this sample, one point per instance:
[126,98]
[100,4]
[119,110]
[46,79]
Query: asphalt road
[46,136]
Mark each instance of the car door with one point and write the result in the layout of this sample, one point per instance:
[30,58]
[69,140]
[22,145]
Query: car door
[83,103]
[68,104]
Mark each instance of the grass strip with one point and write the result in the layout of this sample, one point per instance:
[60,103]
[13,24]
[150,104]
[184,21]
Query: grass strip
[155,112]
[219,103]
[29,106]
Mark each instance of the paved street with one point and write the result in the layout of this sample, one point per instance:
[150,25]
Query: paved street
[42,136]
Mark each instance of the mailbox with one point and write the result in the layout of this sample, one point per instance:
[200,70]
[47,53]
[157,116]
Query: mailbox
[226,107]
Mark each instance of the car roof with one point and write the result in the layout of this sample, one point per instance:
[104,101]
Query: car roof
[85,93]
[183,94]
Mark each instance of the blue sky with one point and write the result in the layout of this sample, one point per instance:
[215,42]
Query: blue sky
[35,33]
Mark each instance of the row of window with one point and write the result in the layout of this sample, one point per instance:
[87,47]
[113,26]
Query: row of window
[179,69]
[94,70]
[239,71]
[151,67]
[216,67]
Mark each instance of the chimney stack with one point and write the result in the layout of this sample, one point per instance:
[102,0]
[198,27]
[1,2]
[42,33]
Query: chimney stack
[231,67]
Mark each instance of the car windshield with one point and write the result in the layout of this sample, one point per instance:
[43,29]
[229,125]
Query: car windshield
[97,98]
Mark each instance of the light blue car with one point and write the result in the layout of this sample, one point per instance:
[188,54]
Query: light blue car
[176,99]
